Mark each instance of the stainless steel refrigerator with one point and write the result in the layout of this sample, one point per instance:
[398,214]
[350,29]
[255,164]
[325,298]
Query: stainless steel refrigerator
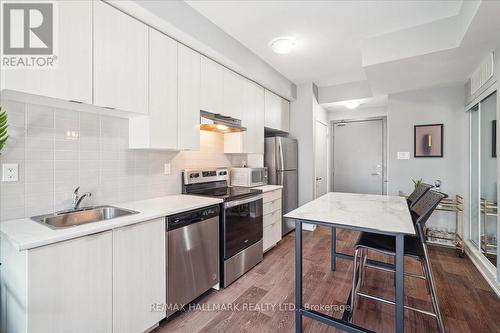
[281,160]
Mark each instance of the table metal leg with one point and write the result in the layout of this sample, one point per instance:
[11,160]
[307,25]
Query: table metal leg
[298,275]
[334,249]
[400,316]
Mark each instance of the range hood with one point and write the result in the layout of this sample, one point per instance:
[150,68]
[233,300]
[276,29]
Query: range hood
[218,123]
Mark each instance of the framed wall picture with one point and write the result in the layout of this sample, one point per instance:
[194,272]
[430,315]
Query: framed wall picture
[428,140]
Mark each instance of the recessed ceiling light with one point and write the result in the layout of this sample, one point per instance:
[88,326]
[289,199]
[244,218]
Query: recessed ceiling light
[283,45]
[352,104]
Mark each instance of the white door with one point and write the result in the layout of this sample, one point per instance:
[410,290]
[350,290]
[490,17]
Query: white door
[358,157]
[72,78]
[321,159]
[120,60]
[139,276]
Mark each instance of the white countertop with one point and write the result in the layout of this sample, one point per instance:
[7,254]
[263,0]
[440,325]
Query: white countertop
[268,188]
[367,212]
[26,234]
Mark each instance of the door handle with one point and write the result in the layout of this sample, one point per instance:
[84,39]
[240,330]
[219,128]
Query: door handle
[376,174]
[319,178]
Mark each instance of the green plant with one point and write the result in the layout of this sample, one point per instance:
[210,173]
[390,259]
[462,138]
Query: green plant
[3,129]
[417,182]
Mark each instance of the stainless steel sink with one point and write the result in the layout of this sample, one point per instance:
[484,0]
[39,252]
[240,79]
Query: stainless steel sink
[81,216]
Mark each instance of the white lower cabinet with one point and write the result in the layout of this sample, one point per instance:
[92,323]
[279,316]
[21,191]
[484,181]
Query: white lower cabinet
[139,276]
[272,219]
[101,283]
[69,286]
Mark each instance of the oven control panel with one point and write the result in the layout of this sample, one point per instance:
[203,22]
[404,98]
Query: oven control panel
[195,176]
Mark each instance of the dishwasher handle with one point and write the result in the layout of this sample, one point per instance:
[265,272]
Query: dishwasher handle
[191,217]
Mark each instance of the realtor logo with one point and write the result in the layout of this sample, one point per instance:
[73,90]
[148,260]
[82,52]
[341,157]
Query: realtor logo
[28,35]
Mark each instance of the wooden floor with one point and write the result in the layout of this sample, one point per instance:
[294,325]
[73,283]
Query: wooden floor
[262,300]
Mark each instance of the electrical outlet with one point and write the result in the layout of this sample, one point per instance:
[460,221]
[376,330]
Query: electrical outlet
[10,172]
[166,169]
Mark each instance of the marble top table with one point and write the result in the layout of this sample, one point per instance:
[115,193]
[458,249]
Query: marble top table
[381,214]
[367,212]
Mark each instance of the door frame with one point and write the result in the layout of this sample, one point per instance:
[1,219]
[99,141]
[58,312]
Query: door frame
[328,159]
[385,170]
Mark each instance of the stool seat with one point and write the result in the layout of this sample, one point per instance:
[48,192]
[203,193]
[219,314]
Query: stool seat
[387,244]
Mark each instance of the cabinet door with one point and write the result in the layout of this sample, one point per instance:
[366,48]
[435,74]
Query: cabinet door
[284,115]
[233,94]
[159,129]
[139,276]
[255,136]
[71,79]
[272,110]
[189,98]
[70,286]
[212,86]
[120,60]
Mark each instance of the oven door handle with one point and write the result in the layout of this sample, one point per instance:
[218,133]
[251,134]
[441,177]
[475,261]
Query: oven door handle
[230,204]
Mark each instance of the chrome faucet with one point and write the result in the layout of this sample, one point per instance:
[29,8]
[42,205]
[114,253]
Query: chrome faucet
[77,199]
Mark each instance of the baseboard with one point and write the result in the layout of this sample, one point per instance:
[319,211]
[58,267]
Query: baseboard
[482,267]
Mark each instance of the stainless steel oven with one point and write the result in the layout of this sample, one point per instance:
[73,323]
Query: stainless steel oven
[241,220]
[242,226]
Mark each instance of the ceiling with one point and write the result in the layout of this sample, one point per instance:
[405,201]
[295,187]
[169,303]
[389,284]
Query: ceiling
[330,34]
[371,102]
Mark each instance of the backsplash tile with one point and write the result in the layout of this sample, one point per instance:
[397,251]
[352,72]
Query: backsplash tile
[58,150]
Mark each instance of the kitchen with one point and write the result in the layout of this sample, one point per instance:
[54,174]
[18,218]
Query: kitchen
[151,168]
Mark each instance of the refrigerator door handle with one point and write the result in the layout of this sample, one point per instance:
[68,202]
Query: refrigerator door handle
[281,163]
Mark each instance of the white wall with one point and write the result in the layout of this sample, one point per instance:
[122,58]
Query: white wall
[302,128]
[431,106]
[304,112]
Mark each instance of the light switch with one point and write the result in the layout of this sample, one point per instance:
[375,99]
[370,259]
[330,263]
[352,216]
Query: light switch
[166,169]
[10,172]
[403,155]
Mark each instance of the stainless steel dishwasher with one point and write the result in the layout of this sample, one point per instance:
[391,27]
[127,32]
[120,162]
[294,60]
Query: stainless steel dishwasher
[193,255]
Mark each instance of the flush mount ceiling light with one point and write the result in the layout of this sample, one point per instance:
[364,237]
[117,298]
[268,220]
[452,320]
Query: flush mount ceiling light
[283,45]
[351,105]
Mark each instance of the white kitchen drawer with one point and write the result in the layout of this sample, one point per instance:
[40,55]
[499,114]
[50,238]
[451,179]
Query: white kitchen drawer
[271,206]
[272,217]
[272,195]
[271,236]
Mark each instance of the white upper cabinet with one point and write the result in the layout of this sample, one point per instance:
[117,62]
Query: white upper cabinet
[159,129]
[188,98]
[252,140]
[233,94]
[71,79]
[212,86]
[120,60]
[277,112]
[256,107]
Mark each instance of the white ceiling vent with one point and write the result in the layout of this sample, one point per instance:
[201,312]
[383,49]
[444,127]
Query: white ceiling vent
[482,74]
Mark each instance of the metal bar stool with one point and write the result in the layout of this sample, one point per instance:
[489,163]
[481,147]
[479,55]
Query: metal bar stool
[415,247]
[418,193]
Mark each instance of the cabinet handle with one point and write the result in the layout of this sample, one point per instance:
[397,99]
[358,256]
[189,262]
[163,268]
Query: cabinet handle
[109,107]
[75,101]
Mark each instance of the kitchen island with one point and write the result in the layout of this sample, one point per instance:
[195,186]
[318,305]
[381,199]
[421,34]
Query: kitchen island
[388,215]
